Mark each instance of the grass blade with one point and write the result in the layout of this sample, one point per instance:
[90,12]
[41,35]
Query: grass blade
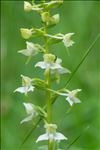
[82,60]
[30,132]
[84,130]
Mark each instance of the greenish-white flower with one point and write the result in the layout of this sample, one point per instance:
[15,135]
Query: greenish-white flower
[50,20]
[71,96]
[67,40]
[26,33]
[31,49]
[27,6]
[51,134]
[48,63]
[31,111]
[26,85]
[45,16]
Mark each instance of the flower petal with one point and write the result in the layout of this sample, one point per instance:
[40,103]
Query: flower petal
[25,52]
[59,136]
[74,92]
[42,65]
[31,88]
[24,89]
[29,108]
[76,100]
[30,117]
[30,45]
[55,66]
[63,70]
[42,137]
[21,89]
[58,61]
[70,101]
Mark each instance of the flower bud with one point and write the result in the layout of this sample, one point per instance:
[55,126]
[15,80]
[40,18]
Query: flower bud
[45,16]
[26,33]
[27,6]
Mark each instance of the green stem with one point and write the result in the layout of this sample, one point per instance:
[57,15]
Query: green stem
[49,109]
[48,93]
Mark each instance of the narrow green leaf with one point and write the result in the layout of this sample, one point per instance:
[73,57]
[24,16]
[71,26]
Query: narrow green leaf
[82,60]
[30,132]
[84,130]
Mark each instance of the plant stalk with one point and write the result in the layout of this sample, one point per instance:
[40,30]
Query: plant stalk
[48,93]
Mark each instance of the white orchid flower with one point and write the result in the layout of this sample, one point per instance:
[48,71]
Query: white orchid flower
[48,63]
[26,85]
[71,96]
[31,49]
[51,134]
[31,111]
[67,40]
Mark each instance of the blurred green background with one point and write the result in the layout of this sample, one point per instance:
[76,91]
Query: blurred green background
[80,17]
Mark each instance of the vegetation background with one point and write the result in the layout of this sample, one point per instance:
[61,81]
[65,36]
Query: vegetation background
[80,17]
